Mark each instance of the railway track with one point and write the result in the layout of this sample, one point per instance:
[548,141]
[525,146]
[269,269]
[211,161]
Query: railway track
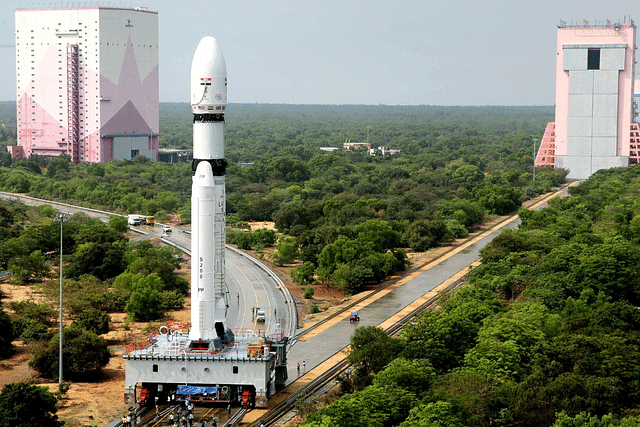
[332,373]
[389,283]
[148,418]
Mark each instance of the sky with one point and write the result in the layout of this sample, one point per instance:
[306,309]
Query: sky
[394,52]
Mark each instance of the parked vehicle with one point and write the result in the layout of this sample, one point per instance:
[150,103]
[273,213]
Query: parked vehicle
[136,219]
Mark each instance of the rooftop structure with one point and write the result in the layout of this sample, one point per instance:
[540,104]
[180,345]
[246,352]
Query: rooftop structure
[595,73]
[87,83]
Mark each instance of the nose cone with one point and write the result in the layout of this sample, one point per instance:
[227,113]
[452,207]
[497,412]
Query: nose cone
[208,78]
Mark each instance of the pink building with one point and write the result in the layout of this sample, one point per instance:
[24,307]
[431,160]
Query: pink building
[595,74]
[87,83]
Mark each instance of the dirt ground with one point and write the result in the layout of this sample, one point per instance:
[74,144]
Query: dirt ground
[100,402]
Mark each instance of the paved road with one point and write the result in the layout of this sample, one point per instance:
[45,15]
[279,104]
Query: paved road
[327,343]
[249,286]
[255,287]
[249,283]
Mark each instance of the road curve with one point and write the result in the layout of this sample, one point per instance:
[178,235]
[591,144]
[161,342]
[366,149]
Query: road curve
[250,283]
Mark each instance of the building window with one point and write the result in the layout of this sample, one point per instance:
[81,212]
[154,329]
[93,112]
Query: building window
[235,369]
[155,368]
[593,59]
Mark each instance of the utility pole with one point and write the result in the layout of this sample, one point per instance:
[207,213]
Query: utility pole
[61,218]
[535,141]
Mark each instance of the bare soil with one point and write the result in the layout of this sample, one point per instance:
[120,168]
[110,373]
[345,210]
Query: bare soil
[100,402]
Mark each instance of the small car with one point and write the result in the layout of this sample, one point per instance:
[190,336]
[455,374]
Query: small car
[354,317]
[166,229]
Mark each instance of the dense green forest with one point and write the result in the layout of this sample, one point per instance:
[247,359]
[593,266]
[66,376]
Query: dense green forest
[349,216]
[547,331]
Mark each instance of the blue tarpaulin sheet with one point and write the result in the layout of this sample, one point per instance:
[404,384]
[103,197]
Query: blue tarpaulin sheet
[190,390]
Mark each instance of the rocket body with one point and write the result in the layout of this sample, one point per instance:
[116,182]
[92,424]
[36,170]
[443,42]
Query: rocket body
[208,236]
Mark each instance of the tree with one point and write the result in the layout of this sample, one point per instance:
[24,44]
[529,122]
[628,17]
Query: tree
[497,198]
[146,302]
[289,215]
[118,223]
[287,251]
[435,414]
[84,354]
[58,164]
[33,321]
[371,350]
[415,376]
[146,259]
[507,242]
[424,234]
[95,321]
[478,400]
[443,337]
[584,419]
[26,405]
[102,260]
[506,346]
[379,234]
[466,212]
[374,406]
[303,274]
[7,335]
[467,176]
[29,268]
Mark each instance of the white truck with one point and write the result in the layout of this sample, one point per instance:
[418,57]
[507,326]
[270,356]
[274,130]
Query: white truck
[137,219]
[261,316]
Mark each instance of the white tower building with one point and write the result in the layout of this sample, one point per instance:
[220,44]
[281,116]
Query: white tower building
[87,83]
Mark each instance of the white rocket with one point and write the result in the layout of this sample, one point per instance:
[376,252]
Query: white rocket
[208,101]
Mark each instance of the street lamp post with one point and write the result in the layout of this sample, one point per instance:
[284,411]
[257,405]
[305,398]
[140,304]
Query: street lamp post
[61,218]
[534,158]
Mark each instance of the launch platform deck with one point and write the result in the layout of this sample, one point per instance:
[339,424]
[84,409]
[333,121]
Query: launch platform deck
[167,360]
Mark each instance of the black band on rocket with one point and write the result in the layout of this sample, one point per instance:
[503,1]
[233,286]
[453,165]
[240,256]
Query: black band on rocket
[208,118]
[218,166]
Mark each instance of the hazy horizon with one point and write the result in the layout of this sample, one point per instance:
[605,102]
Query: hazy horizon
[413,52]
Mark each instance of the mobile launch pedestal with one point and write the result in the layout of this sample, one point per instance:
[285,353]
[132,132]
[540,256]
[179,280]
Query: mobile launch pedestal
[168,362]
[225,365]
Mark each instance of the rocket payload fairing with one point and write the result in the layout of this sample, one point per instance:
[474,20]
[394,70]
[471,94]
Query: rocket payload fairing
[208,286]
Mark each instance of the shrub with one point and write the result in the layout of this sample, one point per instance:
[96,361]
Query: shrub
[31,330]
[30,310]
[7,335]
[303,274]
[84,355]
[28,405]
[308,293]
[95,321]
[172,300]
